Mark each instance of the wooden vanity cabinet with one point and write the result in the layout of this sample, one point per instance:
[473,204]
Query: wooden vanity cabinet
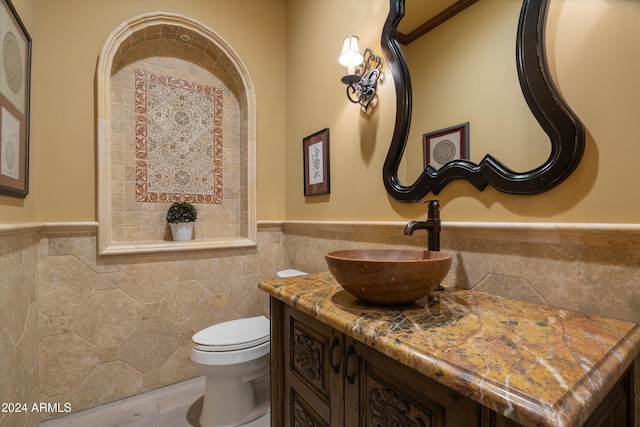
[322,378]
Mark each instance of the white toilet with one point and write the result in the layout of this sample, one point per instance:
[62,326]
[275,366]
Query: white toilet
[234,358]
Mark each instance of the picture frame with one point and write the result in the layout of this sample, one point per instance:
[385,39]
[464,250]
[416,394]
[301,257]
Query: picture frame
[315,149]
[444,145]
[15,90]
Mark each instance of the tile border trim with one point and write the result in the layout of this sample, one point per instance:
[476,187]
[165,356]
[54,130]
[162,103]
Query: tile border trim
[598,234]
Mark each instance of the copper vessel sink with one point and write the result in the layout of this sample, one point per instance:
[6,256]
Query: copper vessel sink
[388,276]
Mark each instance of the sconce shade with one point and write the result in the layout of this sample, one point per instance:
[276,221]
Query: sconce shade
[350,55]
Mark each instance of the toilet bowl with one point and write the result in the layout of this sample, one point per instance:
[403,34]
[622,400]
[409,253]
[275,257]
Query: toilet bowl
[234,358]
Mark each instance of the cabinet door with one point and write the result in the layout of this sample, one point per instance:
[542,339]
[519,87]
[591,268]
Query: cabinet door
[382,392]
[618,407]
[313,386]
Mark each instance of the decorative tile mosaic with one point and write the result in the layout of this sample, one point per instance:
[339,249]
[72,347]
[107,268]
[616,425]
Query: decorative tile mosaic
[178,140]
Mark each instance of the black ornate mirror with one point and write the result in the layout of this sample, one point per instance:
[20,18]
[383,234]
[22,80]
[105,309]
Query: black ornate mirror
[554,116]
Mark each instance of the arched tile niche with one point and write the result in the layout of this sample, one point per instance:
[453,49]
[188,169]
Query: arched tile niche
[176,121]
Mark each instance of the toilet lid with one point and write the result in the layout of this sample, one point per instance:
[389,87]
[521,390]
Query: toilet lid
[233,335]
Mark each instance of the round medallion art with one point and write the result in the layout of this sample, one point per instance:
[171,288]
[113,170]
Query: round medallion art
[10,157]
[444,151]
[12,59]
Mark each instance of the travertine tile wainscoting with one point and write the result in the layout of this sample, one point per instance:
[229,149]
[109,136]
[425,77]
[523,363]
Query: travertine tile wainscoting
[87,330]
[586,267]
[19,338]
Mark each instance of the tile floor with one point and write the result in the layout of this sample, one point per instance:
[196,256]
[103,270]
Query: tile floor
[177,405]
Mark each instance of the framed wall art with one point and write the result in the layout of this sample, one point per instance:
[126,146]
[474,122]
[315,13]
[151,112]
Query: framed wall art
[315,149]
[15,79]
[445,145]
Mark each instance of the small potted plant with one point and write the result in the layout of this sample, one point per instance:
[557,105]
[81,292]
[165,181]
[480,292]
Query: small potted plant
[181,216]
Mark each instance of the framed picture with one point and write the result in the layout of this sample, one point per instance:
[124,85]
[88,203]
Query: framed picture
[315,149]
[444,145]
[15,79]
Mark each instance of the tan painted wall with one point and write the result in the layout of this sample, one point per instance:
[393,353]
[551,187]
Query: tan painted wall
[593,50]
[14,209]
[68,36]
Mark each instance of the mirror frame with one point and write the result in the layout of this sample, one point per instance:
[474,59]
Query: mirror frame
[555,117]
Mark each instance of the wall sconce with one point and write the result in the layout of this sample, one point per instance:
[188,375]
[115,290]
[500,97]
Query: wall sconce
[363,71]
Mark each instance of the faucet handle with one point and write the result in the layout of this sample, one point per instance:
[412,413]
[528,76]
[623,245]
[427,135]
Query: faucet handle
[434,209]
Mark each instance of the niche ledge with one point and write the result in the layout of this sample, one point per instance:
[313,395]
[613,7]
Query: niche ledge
[177,246]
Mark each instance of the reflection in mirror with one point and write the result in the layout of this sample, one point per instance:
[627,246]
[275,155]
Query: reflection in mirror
[485,66]
[464,70]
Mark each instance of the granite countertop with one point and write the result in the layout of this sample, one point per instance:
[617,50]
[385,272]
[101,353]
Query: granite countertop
[535,364]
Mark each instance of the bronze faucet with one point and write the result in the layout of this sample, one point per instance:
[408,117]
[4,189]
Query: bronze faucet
[432,225]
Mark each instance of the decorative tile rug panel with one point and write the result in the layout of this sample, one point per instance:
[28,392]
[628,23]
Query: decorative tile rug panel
[178,140]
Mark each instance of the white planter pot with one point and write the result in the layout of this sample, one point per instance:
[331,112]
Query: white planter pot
[182,230]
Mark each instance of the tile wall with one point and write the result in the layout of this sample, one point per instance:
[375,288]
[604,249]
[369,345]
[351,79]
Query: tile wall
[580,267]
[19,338]
[87,330]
